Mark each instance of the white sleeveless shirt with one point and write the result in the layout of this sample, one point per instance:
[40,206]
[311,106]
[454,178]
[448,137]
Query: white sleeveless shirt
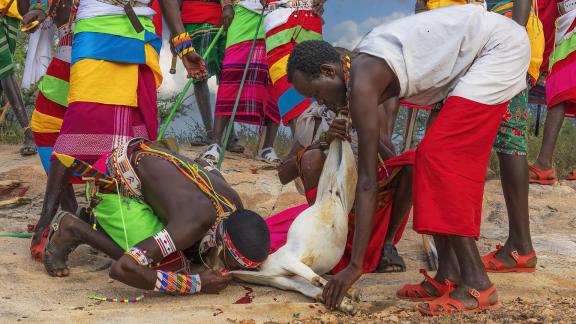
[453,51]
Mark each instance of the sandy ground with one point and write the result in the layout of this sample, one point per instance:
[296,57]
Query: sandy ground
[28,293]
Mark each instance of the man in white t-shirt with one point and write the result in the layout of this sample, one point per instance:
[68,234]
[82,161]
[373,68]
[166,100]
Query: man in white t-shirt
[461,53]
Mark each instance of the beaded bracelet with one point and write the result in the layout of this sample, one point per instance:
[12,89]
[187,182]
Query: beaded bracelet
[183,44]
[43,5]
[324,141]
[139,256]
[170,282]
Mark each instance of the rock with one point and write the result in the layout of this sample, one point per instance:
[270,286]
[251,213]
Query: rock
[393,318]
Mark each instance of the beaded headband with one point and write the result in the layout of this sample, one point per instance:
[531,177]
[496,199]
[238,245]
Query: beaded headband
[242,260]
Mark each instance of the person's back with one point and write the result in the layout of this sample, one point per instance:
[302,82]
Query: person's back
[430,53]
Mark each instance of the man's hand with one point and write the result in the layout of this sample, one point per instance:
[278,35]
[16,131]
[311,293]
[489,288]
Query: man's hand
[318,7]
[213,281]
[338,130]
[31,16]
[195,66]
[336,288]
[227,16]
[264,3]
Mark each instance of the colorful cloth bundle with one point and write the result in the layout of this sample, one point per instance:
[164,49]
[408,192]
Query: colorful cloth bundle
[256,101]
[561,83]
[286,27]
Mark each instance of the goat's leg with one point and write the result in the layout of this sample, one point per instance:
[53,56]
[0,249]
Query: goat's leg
[306,288]
[302,270]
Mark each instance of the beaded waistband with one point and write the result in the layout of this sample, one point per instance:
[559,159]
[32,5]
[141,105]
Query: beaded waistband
[294,4]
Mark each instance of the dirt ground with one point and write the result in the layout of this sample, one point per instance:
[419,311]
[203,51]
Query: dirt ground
[27,293]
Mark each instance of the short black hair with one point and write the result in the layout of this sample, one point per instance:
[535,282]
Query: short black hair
[249,233]
[308,56]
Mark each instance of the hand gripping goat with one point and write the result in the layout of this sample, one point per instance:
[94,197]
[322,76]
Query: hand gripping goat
[317,238]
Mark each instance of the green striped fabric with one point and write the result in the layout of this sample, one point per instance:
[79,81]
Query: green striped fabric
[202,36]
[8,34]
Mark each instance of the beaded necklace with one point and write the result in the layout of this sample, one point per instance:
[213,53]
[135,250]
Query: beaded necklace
[195,174]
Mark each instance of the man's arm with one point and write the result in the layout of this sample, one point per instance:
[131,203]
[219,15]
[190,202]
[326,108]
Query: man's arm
[23,6]
[370,77]
[192,61]
[521,11]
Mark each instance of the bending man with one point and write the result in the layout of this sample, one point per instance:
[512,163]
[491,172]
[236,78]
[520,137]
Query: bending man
[452,159]
[169,205]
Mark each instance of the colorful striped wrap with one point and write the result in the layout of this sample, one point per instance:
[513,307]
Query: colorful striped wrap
[561,82]
[50,108]
[256,101]
[52,99]
[286,27]
[104,111]
[8,34]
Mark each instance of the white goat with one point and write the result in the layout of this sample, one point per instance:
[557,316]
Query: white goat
[317,237]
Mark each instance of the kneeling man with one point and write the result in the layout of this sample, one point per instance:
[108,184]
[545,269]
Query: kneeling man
[152,204]
[480,65]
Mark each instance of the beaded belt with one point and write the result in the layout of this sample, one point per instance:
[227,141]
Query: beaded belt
[294,4]
[566,6]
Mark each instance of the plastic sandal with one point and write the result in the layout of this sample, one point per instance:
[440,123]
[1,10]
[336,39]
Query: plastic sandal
[212,153]
[417,292]
[390,257]
[572,176]
[543,177]
[491,264]
[447,305]
[268,155]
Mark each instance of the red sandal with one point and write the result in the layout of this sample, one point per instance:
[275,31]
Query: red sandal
[543,177]
[447,305]
[417,292]
[571,176]
[491,264]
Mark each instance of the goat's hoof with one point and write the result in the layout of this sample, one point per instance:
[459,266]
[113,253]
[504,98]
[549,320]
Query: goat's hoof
[317,281]
[349,306]
[354,294]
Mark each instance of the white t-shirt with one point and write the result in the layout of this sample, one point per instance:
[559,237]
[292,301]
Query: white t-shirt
[461,51]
